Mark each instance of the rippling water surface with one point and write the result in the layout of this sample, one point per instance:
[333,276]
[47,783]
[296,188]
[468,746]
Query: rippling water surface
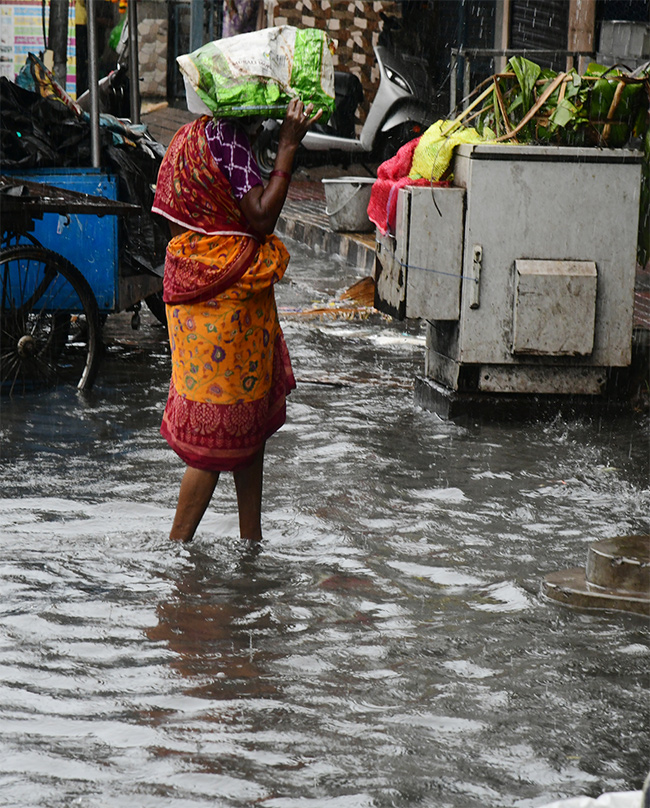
[387,647]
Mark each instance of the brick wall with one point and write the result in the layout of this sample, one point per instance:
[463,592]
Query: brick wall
[353,27]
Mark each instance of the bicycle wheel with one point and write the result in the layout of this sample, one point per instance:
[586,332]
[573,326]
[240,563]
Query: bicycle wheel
[49,322]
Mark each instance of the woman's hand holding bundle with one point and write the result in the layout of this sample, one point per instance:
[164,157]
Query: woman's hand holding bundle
[262,206]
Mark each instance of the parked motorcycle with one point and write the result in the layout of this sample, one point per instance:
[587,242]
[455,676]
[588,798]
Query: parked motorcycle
[398,113]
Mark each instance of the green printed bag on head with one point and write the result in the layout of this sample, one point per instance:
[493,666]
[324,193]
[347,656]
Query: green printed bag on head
[259,73]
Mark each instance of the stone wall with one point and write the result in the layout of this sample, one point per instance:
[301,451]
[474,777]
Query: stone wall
[152,49]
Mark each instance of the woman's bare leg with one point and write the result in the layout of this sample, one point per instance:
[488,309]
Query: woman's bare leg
[196,492]
[248,484]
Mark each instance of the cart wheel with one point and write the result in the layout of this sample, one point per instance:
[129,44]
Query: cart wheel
[49,322]
[12,238]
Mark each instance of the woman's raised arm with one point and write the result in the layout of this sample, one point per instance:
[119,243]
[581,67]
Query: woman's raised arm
[262,206]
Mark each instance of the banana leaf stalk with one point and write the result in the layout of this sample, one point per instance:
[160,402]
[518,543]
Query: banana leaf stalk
[535,108]
[502,109]
[453,125]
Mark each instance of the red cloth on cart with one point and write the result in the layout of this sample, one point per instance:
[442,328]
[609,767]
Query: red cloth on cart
[391,176]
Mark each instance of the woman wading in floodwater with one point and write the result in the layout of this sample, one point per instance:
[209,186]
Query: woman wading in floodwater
[231,370]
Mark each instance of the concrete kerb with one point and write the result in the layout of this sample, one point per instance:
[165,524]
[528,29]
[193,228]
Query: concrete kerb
[351,251]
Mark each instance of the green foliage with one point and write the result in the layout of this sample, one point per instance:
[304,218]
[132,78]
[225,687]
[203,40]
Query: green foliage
[590,109]
[604,107]
[527,73]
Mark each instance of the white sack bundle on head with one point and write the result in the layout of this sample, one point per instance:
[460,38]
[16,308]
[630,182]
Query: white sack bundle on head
[259,73]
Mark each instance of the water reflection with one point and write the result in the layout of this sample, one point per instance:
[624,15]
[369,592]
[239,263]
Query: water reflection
[212,625]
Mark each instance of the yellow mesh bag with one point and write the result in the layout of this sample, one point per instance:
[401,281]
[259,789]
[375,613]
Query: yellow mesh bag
[433,153]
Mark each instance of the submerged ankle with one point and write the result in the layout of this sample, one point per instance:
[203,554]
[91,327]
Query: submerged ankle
[183,539]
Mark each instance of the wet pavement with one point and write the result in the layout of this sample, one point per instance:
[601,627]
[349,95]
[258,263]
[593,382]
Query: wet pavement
[388,646]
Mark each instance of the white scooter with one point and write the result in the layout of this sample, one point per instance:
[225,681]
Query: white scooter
[399,112]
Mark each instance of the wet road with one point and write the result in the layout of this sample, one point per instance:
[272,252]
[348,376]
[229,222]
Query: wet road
[387,647]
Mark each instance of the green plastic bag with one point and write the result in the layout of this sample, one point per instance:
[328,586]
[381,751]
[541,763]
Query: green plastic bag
[116,33]
[259,73]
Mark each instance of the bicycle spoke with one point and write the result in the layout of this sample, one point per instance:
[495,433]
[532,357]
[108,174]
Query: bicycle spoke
[41,293]
[46,368]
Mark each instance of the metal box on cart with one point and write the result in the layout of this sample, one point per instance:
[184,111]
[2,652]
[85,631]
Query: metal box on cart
[88,241]
[524,270]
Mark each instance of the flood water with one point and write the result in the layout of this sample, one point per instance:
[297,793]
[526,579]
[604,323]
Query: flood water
[388,646]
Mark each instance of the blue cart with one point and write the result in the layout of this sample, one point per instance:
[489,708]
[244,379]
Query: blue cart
[60,275]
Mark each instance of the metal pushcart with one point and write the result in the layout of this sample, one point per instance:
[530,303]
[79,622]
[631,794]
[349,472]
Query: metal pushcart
[50,312]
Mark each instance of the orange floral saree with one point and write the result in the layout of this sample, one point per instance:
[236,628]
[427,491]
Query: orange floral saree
[231,370]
